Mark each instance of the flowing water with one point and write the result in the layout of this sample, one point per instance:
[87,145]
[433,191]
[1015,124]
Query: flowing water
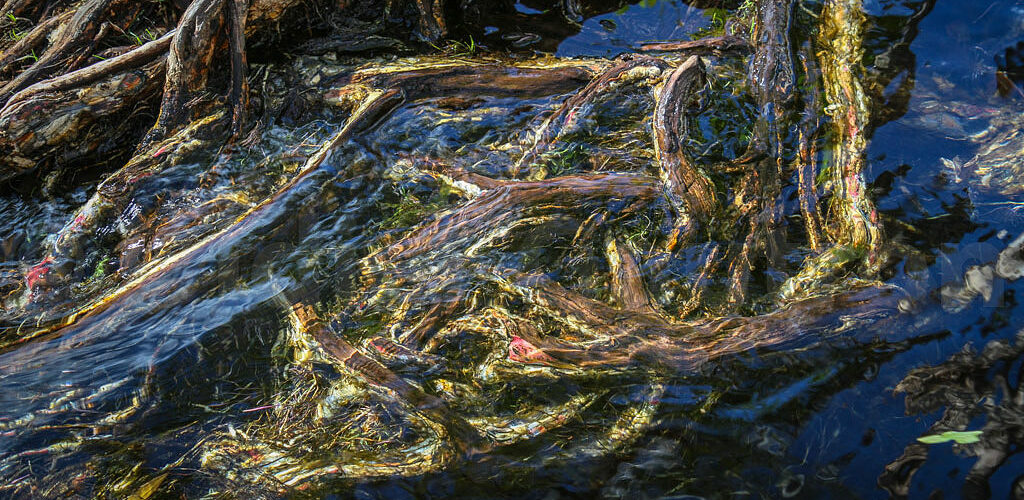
[435,294]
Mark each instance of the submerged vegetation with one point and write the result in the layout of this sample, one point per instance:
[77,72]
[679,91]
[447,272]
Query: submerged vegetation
[275,248]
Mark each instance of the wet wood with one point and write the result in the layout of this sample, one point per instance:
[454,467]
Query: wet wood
[853,221]
[239,94]
[431,24]
[691,192]
[807,154]
[476,80]
[770,73]
[270,216]
[618,338]
[627,283]
[380,377]
[189,62]
[68,125]
[715,45]
[57,118]
[512,201]
[545,136]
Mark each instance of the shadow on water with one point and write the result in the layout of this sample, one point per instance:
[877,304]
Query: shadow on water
[401,314]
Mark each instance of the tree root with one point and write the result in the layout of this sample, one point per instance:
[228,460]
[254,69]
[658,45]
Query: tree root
[192,50]
[807,155]
[239,95]
[55,118]
[851,223]
[160,275]
[853,220]
[79,34]
[691,192]
[462,80]
[544,137]
[31,41]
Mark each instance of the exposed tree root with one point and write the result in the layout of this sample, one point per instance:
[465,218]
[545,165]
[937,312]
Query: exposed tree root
[31,41]
[807,154]
[78,36]
[56,117]
[239,96]
[851,220]
[189,63]
[74,238]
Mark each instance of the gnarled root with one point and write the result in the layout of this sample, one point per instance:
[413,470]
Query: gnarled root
[851,223]
[77,37]
[58,118]
[691,192]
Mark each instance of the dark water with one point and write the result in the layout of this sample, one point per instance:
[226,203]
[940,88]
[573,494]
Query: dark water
[196,384]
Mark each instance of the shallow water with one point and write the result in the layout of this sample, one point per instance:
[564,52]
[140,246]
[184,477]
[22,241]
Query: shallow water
[197,381]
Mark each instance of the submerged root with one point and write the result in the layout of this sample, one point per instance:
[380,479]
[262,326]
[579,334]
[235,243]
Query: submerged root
[639,67]
[852,219]
[691,192]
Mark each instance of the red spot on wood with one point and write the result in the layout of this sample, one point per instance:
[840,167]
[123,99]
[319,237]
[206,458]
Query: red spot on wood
[38,271]
[130,81]
[521,351]
[139,177]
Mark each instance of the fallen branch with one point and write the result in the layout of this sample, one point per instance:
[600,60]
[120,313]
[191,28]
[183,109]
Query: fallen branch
[713,45]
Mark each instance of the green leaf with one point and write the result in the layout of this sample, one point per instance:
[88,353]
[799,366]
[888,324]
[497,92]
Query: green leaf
[964,437]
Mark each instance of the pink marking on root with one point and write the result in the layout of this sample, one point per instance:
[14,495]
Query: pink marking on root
[521,351]
[853,185]
[38,271]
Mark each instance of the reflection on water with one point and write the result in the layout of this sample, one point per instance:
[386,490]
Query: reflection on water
[477,285]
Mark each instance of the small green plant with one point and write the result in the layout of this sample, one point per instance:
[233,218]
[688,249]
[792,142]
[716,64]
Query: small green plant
[747,10]
[964,437]
[563,161]
[640,231]
[101,269]
[146,36]
[718,17]
[458,48]
[410,210]
[30,56]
